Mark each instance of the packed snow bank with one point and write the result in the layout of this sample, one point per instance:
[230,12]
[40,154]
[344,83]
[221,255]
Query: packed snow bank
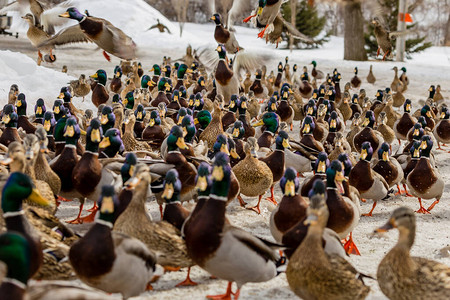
[34,81]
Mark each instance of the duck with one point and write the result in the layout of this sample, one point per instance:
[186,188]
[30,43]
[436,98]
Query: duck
[370,77]
[321,129]
[429,116]
[39,111]
[399,273]
[116,83]
[284,109]
[13,92]
[340,145]
[181,72]
[227,82]
[254,176]
[230,116]
[355,106]
[107,118]
[64,164]
[111,255]
[368,134]
[111,144]
[271,123]
[321,164]
[414,134]
[99,94]
[223,36]
[308,141]
[355,81]
[398,99]
[10,119]
[99,31]
[389,168]
[80,87]
[404,79]
[397,84]
[316,73]
[291,208]
[442,129]
[438,98]
[154,132]
[129,100]
[129,141]
[22,121]
[140,115]
[260,91]
[214,128]
[345,107]
[391,114]
[424,181]
[162,238]
[161,97]
[355,128]
[37,34]
[305,88]
[405,123]
[49,125]
[386,131]
[369,183]
[212,244]
[312,273]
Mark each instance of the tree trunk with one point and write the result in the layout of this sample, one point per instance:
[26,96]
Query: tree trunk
[354,32]
[447,32]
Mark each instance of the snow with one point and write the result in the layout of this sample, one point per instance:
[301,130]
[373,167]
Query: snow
[134,17]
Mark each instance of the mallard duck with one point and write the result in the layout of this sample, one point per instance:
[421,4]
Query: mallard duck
[227,82]
[116,83]
[399,273]
[160,237]
[405,123]
[63,165]
[108,118]
[308,141]
[154,133]
[39,111]
[129,141]
[99,93]
[396,84]
[271,122]
[221,249]
[305,88]
[317,74]
[370,184]
[49,125]
[291,208]
[80,87]
[398,99]
[340,145]
[391,115]
[111,255]
[92,29]
[355,81]
[404,79]
[223,36]
[214,128]
[370,77]
[389,167]
[13,92]
[424,181]
[383,38]
[429,116]
[321,128]
[320,166]
[368,134]
[312,273]
[442,129]
[10,133]
[387,132]
[140,115]
[284,109]
[254,176]
[129,100]
[111,144]
[230,116]
[355,128]
[345,107]
[260,91]
[438,98]
[22,121]
[37,35]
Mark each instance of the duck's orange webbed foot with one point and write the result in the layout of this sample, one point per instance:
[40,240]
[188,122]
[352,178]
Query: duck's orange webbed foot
[350,246]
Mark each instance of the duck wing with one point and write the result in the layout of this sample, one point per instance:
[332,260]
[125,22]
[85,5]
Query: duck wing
[291,30]
[115,41]
[69,35]
[134,247]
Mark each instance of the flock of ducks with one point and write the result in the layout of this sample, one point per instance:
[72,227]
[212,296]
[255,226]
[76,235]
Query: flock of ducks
[184,135]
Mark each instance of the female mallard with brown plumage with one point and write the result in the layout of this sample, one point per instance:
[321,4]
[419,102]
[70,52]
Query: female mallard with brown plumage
[227,82]
[214,128]
[402,276]
[129,141]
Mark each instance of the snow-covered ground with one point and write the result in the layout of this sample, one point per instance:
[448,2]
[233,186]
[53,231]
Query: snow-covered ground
[17,65]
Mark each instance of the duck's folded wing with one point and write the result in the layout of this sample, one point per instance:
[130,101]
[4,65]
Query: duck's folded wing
[134,247]
[256,244]
[72,34]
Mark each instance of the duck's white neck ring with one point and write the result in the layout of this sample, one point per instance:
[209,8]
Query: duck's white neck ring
[220,198]
[104,223]
[84,18]
[15,282]
[70,146]
[13,214]
[93,153]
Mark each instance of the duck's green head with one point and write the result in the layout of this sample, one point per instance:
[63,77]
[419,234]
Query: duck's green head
[314,63]
[108,204]
[128,166]
[176,139]
[183,92]
[118,72]
[426,145]
[346,162]
[221,176]
[21,105]
[322,91]
[182,69]
[217,19]
[167,71]
[188,127]
[445,114]
[337,77]
[163,84]
[72,131]
[203,179]
[422,121]
[129,100]
[242,105]
[308,125]
[407,106]
[426,111]
[415,150]
[172,187]
[233,103]
[417,131]
[49,122]
[280,67]
[356,71]
[199,102]
[369,119]
[285,92]
[145,81]
[58,109]
[112,142]
[232,148]
[282,141]
[335,175]
[318,189]
[333,121]
[203,118]
[221,51]
[140,113]
[107,118]
[272,105]
[403,69]
[258,74]
[311,108]
[9,117]
[15,253]
[156,70]
[387,91]
[270,120]
[100,76]
[384,152]
[94,135]
[432,91]
[73,13]
[322,163]
[290,184]
[181,113]
[65,96]
[191,101]
[379,95]
[221,144]
[176,96]
[366,152]
[39,108]
[238,130]
[19,187]
[154,119]
[331,93]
